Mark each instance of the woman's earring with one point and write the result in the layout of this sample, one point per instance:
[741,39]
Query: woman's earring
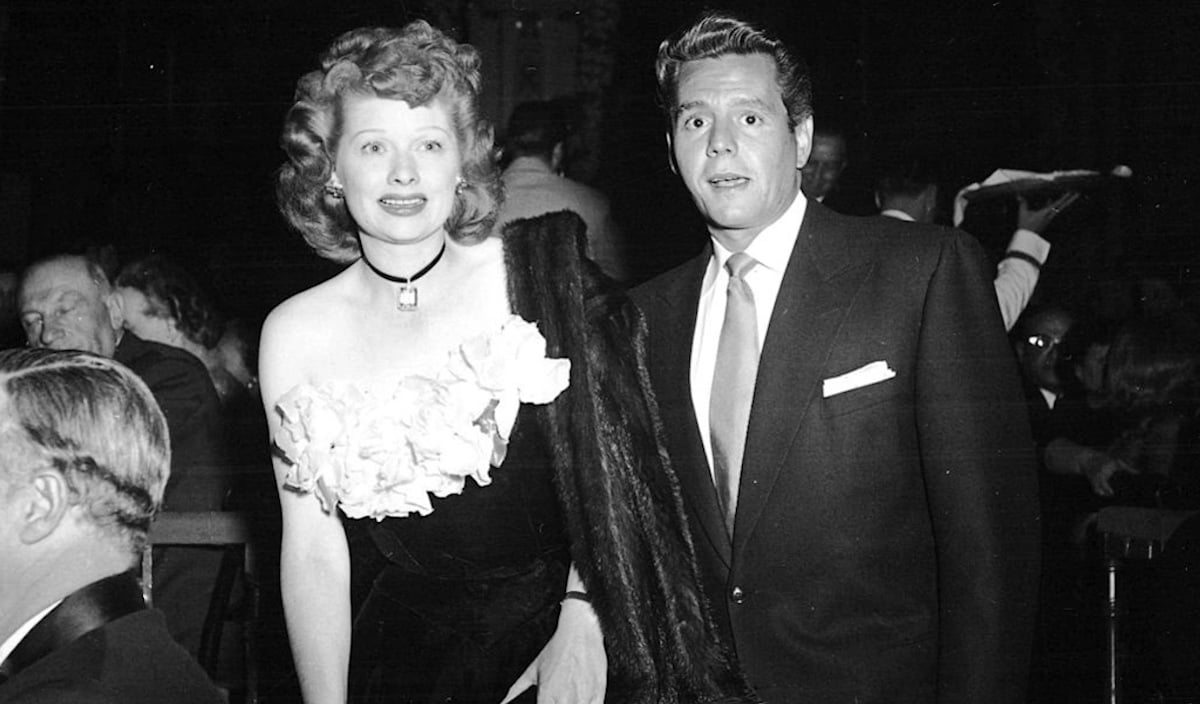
[335,192]
[459,186]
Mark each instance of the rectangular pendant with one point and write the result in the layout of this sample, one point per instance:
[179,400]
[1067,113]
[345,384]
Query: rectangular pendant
[406,297]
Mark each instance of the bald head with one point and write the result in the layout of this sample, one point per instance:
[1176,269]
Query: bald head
[67,303]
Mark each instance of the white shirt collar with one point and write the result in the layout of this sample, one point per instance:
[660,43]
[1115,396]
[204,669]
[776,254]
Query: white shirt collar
[898,214]
[772,248]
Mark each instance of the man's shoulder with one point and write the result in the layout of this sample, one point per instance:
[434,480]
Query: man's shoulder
[890,240]
[668,283]
[892,231]
[531,198]
[129,660]
[585,193]
[178,379]
[154,359]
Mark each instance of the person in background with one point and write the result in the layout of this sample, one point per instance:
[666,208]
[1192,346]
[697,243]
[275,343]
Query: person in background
[84,461]
[66,302]
[841,407]
[534,183]
[827,161]
[164,303]
[10,325]
[909,191]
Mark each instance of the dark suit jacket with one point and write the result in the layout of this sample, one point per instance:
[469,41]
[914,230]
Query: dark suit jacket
[200,477]
[95,655]
[885,547]
[181,385]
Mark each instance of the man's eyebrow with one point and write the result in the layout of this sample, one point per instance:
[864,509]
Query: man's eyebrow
[741,101]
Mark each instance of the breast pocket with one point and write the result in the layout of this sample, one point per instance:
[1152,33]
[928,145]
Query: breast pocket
[872,393]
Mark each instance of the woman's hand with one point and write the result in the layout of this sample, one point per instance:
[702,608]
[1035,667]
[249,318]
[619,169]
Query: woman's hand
[572,668]
[1099,469]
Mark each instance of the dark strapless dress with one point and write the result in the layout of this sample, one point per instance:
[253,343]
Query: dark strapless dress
[456,604]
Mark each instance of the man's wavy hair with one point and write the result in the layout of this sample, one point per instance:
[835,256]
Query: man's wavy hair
[97,424]
[716,34]
[172,292]
[417,64]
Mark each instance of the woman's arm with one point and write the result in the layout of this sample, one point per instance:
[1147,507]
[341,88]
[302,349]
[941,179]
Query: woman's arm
[314,556]
[573,666]
[1064,456]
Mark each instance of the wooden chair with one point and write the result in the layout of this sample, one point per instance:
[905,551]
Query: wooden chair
[216,529]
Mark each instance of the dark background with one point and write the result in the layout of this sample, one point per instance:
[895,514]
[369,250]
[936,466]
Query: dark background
[153,124]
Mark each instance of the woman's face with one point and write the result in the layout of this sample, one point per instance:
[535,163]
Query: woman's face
[141,320]
[398,166]
[1090,370]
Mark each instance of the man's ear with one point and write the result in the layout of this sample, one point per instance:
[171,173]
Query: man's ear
[44,505]
[803,136]
[114,303]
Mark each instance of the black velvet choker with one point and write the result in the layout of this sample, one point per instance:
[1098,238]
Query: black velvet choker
[406,295]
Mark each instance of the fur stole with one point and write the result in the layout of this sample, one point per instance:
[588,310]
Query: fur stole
[620,498]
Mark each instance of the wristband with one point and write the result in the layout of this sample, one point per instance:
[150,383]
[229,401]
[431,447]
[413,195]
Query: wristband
[581,596]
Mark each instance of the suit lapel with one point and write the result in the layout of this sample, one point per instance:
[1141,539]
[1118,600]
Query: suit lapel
[822,278]
[673,350]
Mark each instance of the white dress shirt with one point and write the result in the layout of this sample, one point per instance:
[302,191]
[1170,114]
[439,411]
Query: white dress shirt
[1016,278]
[772,249]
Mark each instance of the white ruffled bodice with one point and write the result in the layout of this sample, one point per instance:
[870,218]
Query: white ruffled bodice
[382,451]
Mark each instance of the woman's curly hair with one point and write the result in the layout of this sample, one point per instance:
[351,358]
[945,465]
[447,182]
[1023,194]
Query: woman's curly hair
[416,64]
[173,293]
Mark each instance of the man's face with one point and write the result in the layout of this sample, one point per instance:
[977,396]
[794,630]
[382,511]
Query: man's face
[732,147]
[62,308]
[1038,350]
[825,165]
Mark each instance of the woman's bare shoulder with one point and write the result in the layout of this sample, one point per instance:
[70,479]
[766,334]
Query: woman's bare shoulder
[301,333]
[320,304]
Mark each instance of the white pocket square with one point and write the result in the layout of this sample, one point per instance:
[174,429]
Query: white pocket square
[872,373]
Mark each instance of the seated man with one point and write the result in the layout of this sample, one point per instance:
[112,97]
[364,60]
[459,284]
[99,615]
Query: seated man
[67,303]
[84,460]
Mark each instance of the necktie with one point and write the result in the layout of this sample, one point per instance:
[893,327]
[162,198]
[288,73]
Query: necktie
[733,384]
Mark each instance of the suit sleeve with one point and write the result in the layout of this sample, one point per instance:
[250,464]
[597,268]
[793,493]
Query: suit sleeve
[978,462]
